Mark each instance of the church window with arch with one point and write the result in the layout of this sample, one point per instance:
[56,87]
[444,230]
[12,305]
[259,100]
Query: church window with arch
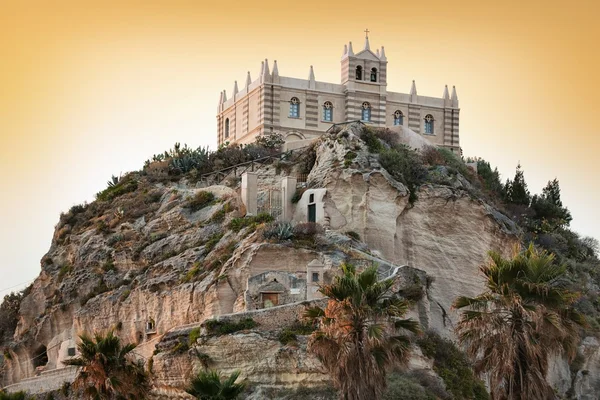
[359,73]
[398,117]
[227,128]
[373,74]
[327,111]
[366,111]
[429,124]
[295,107]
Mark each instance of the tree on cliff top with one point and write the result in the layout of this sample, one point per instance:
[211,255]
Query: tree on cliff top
[516,190]
[107,370]
[510,329]
[357,337]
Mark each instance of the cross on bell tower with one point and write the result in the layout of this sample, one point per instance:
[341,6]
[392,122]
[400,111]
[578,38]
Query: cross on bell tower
[367,33]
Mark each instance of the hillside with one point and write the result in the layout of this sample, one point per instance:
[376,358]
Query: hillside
[165,249]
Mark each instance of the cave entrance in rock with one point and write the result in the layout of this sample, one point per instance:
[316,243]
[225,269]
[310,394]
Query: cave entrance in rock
[40,357]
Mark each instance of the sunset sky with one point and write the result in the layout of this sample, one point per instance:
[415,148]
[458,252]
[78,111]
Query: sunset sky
[91,89]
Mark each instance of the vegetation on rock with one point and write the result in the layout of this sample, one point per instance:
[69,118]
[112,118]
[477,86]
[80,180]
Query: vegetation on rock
[210,385]
[525,315]
[356,336]
[107,369]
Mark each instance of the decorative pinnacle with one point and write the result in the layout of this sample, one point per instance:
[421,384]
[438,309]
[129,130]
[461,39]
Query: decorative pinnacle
[413,88]
[248,80]
[275,69]
[367,45]
[350,51]
[311,74]
[235,88]
[382,57]
[446,95]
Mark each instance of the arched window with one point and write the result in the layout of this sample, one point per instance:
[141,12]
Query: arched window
[227,128]
[373,74]
[366,111]
[327,111]
[398,118]
[358,73]
[295,107]
[429,124]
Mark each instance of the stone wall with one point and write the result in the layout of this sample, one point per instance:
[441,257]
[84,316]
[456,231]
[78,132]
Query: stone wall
[47,381]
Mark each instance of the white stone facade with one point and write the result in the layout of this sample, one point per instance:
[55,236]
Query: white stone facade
[304,109]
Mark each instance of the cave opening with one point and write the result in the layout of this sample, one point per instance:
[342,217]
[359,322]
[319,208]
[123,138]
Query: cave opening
[40,357]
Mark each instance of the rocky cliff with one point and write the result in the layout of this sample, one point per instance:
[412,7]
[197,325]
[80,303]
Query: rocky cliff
[159,254]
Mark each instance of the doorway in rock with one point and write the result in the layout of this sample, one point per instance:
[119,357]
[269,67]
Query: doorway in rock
[40,357]
[312,213]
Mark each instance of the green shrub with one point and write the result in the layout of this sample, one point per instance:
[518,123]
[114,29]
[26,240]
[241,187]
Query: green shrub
[348,158]
[200,200]
[286,336]
[371,140]
[305,230]
[453,367]
[194,335]
[14,396]
[219,328]
[64,271]
[289,335]
[192,273]
[237,224]
[212,241]
[125,295]
[125,185]
[114,239]
[405,387]
[405,165]
[109,265]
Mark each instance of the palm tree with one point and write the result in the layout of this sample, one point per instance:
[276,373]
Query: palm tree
[107,370]
[209,385]
[524,315]
[357,336]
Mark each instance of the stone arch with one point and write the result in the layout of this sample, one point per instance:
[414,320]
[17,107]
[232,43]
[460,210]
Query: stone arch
[291,136]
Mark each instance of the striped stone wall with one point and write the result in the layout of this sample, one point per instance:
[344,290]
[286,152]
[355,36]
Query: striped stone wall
[414,118]
[311,110]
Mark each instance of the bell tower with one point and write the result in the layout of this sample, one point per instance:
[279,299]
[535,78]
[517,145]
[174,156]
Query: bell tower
[365,66]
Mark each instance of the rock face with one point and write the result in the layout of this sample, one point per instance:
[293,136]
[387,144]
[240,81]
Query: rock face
[152,267]
[446,233]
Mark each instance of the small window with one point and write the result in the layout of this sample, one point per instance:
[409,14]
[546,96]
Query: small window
[429,124]
[359,73]
[311,198]
[150,326]
[294,108]
[328,111]
[71,352]
[366,111]
[315,277]
[398,118]
[227,128]
[373,74]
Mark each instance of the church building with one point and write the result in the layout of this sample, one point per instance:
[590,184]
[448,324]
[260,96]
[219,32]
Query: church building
[305,108]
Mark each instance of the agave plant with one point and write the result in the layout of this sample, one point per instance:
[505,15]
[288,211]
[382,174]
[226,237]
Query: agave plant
[114,181]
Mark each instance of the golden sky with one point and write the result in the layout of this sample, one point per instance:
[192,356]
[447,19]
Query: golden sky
[90,89]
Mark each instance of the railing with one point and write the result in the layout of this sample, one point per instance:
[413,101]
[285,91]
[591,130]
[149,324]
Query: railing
[217,177]
[333,127]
